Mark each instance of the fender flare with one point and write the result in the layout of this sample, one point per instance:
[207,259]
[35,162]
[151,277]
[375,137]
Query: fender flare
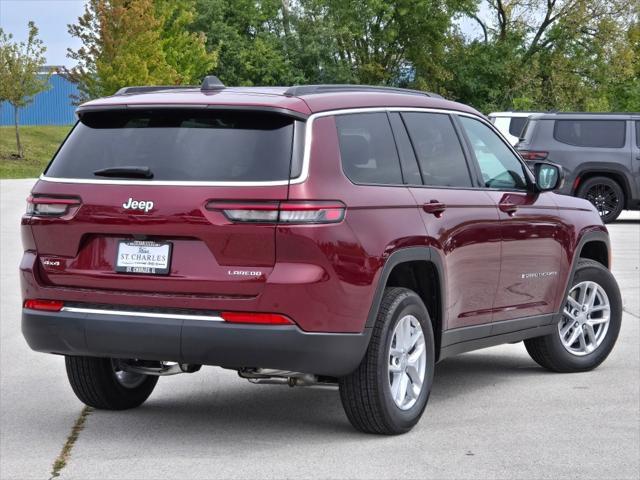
[590,236]
[404,255]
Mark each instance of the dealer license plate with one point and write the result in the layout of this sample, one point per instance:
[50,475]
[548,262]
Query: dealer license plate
[139,256]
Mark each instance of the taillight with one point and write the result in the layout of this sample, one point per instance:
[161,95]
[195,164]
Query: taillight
[533,155]
[311,212]
[259,318]
[283,212]
[50,206]
[46,305]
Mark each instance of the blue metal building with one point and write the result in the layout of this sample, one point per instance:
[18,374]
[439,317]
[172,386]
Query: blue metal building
[51,107]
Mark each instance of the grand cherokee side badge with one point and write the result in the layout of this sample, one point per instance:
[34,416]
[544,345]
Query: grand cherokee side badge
[539,274]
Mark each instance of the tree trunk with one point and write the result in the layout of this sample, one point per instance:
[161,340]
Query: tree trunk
[15,120]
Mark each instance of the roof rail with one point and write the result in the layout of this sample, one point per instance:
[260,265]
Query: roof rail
[299,90]
[150,88]
[210,83]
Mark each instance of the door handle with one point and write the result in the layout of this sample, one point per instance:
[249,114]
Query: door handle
[508,208]
[435,207]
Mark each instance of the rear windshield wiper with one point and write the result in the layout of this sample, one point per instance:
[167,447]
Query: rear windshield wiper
[125,172]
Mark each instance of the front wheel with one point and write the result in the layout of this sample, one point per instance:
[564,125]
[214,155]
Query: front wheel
[588,330]
[389,391]
[102,383]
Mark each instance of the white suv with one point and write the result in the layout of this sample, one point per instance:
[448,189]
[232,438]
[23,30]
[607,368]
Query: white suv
[510,124]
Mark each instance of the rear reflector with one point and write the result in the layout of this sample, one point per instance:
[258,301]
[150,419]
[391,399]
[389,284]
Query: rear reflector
[576,182]
[260,318]
[46,305]
[283,212]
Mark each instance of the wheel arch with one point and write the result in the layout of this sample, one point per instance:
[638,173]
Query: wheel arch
[597,250]
[596,242]
[419,269]
[618,175]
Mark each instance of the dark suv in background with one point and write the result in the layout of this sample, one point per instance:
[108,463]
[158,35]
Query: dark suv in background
[312,235]
[600,154]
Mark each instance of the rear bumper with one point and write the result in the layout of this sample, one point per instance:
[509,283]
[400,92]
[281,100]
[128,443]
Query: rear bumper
[194,341]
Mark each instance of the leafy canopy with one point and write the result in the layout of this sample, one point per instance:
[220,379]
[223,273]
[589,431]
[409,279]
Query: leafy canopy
[20,66]
[136,43]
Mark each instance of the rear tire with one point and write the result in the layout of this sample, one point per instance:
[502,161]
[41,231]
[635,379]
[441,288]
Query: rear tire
[96,384]
[388,392]
[605,194]
[550,352]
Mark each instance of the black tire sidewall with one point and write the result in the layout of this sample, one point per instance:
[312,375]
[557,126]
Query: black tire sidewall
[404,420]
[94,382]
[597,273]
[590,183]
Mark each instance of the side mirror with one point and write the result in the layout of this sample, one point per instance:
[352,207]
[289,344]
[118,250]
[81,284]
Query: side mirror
[549,176]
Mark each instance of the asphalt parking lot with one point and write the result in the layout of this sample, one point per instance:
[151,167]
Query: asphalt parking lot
[492,414]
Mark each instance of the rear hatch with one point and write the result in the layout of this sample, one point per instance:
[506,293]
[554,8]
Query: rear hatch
[144,194]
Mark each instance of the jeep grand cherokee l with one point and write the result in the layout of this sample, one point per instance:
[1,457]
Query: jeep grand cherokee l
[312,235]
[600,153]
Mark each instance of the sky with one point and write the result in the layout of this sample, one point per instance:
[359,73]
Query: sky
[51,17]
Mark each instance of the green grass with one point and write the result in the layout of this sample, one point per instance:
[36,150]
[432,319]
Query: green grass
[39,144]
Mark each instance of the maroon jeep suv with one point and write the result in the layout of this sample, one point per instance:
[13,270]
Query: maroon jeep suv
[312,235]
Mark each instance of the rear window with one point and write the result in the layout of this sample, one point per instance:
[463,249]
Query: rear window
[180,145]
[516,126]
[591,133]
[527,130]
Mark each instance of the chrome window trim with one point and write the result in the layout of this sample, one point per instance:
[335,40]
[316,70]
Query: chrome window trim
[175,316]
[304,175]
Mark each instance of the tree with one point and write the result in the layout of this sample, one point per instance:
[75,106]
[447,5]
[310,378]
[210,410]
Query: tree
[543,54]
[20,73]
[389,43]
[253,38]
[136,43]
[184,50]
[272,42]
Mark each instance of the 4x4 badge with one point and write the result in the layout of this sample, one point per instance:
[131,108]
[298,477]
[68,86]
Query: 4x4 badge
[132,204]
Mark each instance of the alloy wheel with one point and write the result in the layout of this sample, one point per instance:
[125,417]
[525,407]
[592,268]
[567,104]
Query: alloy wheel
[585,319]
[407,362]
[604,198]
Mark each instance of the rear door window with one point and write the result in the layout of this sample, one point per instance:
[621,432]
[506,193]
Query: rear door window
[438,148]
[180,145]
[638,134]
[591,133]
[367,149]
[516,126]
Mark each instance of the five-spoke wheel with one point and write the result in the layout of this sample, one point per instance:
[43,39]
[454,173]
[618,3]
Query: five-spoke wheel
[585,318]
[389,391]
[407,362]
[588,329]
